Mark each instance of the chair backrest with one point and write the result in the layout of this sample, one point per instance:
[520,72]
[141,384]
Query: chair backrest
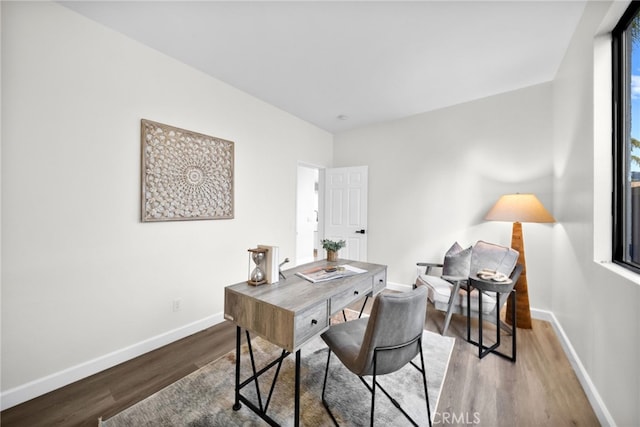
[494,257]
[395,319]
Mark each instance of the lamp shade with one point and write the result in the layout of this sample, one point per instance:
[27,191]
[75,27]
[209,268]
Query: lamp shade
[519,208]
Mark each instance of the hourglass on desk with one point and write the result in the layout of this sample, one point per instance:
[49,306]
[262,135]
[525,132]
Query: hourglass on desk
[257,274]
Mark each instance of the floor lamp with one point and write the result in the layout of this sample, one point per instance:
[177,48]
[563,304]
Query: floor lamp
[519,208]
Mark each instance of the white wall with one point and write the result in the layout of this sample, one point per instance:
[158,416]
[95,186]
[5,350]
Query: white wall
[595,304]
[434,176]
[82,277]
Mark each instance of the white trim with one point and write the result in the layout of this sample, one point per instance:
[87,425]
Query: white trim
[28,391]
[400,287]
[603,414]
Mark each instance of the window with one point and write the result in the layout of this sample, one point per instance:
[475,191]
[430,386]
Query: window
[626,139]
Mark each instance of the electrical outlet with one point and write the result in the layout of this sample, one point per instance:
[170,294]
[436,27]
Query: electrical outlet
[177,304]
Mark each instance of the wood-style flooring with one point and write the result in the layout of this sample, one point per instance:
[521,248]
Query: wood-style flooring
[540,389]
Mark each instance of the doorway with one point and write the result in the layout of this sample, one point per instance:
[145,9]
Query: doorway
[307,214]
[331,203]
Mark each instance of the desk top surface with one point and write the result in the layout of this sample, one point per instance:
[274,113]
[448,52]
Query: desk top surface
[294,292]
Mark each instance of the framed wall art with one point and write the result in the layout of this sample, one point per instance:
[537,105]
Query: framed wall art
[185,175]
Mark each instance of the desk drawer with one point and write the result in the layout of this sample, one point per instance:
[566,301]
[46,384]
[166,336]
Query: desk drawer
[379,281]
[340,301]
[311,322]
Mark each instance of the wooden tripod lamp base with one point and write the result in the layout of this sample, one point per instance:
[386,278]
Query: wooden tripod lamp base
[523,311]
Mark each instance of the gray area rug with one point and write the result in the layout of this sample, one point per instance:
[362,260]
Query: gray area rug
[205,397]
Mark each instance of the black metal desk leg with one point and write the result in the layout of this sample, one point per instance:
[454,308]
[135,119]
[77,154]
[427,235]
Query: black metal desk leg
[237,405]
[297,391]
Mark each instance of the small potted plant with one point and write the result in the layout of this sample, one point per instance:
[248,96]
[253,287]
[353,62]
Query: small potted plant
[332,248]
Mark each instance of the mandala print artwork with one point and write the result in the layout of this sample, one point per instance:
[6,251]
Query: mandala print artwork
[185,175]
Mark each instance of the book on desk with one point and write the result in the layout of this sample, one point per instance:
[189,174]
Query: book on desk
[329,272]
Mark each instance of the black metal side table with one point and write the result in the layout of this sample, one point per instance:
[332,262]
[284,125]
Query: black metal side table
[499,288]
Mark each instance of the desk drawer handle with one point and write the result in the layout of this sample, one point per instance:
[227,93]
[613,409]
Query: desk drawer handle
[314,322]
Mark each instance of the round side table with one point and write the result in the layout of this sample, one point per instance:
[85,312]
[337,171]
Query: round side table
[499,288]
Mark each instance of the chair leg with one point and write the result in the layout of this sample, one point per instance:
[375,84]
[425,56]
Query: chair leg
[447,320]
[324,387]
[326,372]
[373,388]
[454,294]
[424,381]
[375,384]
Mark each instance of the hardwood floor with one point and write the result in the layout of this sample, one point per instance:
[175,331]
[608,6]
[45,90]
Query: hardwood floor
[539,389]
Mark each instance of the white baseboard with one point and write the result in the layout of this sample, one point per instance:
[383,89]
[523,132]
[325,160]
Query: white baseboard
[400,287]
[603,414]
[28,391]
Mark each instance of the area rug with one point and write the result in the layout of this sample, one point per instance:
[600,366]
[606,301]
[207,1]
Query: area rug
[205,397]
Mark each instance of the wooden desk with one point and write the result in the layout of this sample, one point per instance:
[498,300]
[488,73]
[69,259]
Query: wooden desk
[293,311]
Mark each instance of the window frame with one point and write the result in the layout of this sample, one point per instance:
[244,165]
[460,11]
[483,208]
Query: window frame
[621,108]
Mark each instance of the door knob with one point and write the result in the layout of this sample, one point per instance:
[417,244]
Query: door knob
[360,231]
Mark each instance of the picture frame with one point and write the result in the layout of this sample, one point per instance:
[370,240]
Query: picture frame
[185,175]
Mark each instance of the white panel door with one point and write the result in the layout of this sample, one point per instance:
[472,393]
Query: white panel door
[345,210]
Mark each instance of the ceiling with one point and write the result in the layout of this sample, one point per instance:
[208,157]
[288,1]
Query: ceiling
[342,64]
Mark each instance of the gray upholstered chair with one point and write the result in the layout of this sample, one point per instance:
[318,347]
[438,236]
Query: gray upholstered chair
[448,291]
[383,343]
